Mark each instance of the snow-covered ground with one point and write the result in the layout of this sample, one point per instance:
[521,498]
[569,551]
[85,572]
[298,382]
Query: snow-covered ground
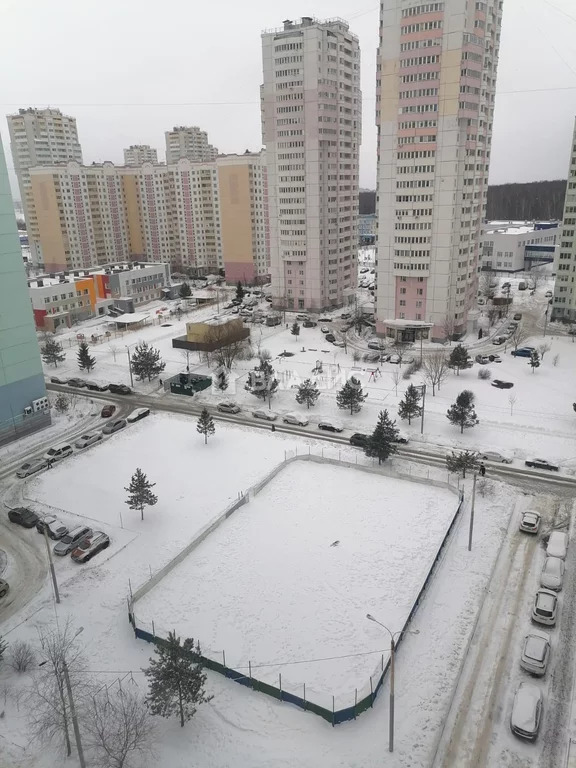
[296,571]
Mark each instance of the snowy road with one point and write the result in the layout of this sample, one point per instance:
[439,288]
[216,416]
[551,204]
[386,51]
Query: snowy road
[26,569]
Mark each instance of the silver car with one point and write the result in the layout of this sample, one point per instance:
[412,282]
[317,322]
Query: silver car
[545,607]
[265,415]
[89,439]
[526,711]
[72,539]
[31,467]
[552,574]
[536,654]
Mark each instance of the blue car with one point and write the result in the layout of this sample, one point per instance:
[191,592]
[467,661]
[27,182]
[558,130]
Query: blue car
[522,352]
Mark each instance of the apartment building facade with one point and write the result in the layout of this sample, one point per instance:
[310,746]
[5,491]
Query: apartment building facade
[515,246]
[311,125]
[40,137]
[564,301]
[136,154]
[436,78]
[188,142]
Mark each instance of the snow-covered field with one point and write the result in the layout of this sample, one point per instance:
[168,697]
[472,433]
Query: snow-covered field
[297,569]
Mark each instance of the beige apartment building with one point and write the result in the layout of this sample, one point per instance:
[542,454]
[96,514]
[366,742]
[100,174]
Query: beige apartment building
[188,142]
[136,154]
[40,137]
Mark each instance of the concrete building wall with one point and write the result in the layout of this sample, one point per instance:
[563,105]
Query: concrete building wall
[137,154]
[564,301]
[188,142]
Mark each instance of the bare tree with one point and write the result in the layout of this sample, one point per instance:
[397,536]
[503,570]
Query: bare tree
[519,336]
[119,728]
[113,349]
[345,336]
[555,360]
[512,399]
[493,313]
[448,327]
[21,656]
[436,370]
[396,377]
[227,347]
[484,283]
[543,348]
[400,348]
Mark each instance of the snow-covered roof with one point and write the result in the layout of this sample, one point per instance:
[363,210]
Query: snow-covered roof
[129,318]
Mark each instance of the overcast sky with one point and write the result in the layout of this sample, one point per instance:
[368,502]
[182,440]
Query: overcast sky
[130,69]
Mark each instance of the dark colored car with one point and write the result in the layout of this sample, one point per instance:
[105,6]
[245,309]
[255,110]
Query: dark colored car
[79,383]
[542,464]
[107,411]
[359,440]
[95,387]
[114,426]
[518,316]
[502,384]
[91,546]
[57,380]
[4,588]
[309,324]
[330,337]
[522,352]
[22,516]
[119,389]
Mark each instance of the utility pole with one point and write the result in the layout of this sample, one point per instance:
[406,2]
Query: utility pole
[423,405]
[52,571]
[130,367]
[73,715]
[472,512]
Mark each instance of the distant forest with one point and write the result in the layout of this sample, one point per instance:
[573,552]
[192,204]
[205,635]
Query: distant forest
[509,202]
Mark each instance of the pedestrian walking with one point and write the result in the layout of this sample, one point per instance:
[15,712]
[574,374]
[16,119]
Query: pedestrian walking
[482,469]
[273,428]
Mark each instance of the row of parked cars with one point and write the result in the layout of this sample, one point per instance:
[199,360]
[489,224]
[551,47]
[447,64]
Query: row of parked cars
[93,386]
[526,714]
[81,542]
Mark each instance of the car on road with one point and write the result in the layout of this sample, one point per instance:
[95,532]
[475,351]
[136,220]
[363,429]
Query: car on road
[482,359]
[119,389]
[23,516]
[262,413]
[136,415]
[526,711]
[518,316]
[496,456]
[502,384]
[330,426]
[402,437]
[542,464]
[325,329]
[228,406]
[295,418]
[522,352]
[530,522]
[54,528]
[57,380]
[548,294]
[557,545]
[345,315]
[359,439]
[499,340]
[338,343]
[91,546]
[552,574]
[364,269]
[545,607]
[375,345]
[4,588]
[495,358]
[330,337]
[108,411]
[32,466]
[74,382]
[309,324]
[90,438]
[535,653]
[58,452]
[114,426]
[94,386]
[324,319]
[71,540]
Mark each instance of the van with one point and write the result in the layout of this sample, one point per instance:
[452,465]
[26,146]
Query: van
[557,545]
[58,452]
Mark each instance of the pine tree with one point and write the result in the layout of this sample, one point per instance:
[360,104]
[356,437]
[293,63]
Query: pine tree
[458,358]
[409,407]
[176,679]
[307,393]
[295,330]
[221,379]
[351,395]
[85,360]
[239,291]
[382,443]
[61,402]
[205,425]
[460,462]
[146,362]
[52,352]
[462,412]
[534,361]
[140,490]
[270,382]
[185,291]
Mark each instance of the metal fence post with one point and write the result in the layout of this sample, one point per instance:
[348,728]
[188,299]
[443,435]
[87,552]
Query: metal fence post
[371,692]
[355,701]
[280,683]
[223,658]
[304,694]
[333,709]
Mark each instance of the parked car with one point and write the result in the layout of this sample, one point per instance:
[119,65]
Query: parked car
[91,546]
[88,439]
[324,329]
[324,319]
[32,466]
[495,358]
[557,545]
[95,387]
[536,654]
[4,588]
[345,315]
[228,406]
[374,357]
[502,384]
[518,316]
[530,522]
[548,294]
[338,343]
[359,440]
[23,516]
[119,389]
[71,540]
[499,340]
[502,458]
[330,426]
[363,270]
[542,464]
[108,411]
[375,345]
[552,574]
[522,352]
[139,413]
[526,711]
[402,437]
[54,528]
[309,324]
[482,359]
[57,380]
[74,382]
[262,413]
[58,452]
[545,607]
[330,337]
[114,426]
[295,418]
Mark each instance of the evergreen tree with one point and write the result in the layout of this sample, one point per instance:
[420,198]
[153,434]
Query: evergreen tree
[458,358]
[269,381]
[52,352]
[185,291]
[308,393]
[146,362]
[176,679]
[140,492]
[351,395]
[534,361]
[221,379]
[460,462]
[205,425]
[295,330]
[85,360]
[239,291]
[61,402]
[409,407]
[382,443]
[462,412]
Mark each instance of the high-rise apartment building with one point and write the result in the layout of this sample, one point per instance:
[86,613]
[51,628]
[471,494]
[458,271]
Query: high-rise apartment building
[436,78]
[311,125]
[564,302]
[136,154]
[40,137]
[188,142]
[23,403]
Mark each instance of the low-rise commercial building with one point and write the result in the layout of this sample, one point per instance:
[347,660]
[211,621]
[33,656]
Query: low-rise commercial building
[517,246]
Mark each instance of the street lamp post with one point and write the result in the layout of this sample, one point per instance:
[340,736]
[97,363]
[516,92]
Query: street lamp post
[130,366]
[51,561]
[73,714]
[422,389]
[471,531]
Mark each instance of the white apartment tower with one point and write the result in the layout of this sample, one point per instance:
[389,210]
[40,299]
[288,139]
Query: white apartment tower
[136,154]
[40,137]
[436,78]
[311,124]
[190,143]
[564,302]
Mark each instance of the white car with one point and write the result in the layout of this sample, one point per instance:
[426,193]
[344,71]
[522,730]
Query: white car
[32,466]
[526,711]
[338,343]
[330,426]
[501,458]
[545,607]
[536,653]
[552,574]
[137,414]
[324,329]
[295,418]
[557,544]
[530,522]
[266,415]
[228,406]
[89,439]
